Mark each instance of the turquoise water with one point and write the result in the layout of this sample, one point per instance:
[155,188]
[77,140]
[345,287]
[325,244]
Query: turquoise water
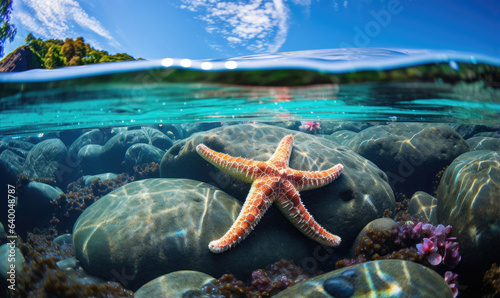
[406,124]
[347,85]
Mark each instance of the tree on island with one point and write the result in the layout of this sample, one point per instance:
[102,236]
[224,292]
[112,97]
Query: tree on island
[7,30]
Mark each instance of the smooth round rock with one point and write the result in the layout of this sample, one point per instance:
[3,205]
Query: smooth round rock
[74,270]
[383,278]
[139,154]
[175,284]
[173,131]
[64,239]
[469,201]
[11,165]
[338,287]
[152,227]
[342,136]
[343,207]
[191,128]
[157,138]
[45,160]
[379,224]
[468,131]
[94,136]
[424,205]
[89,179]
[36,203]
[330,127]
[113,152]
[411,154]
[484,143]
[90,159]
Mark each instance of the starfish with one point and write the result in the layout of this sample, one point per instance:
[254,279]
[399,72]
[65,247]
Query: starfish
[272,181]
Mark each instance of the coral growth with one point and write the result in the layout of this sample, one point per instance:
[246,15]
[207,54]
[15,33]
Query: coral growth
[227,286]
[390,244]
[280,276]
[71,204]
[79,196]
[402,202]
[147,170]
[491,282]
[451,279]
[40,245]
[41,277]
[409,239]
[436,246]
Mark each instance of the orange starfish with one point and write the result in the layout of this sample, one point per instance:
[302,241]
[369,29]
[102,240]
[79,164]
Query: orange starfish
[272,181]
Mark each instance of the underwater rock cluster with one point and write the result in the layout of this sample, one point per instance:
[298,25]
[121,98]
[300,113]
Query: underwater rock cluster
[148,228]
[411,154]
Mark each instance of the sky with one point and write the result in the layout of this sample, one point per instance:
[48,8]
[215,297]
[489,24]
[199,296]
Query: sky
[201,29]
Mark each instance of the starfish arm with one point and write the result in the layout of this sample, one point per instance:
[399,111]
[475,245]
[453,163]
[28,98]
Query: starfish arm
[304,180]
[291,206]
[246,170]
[281,156]
[256,204]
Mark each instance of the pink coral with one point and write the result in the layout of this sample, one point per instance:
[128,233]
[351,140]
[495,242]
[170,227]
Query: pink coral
[451,279]
[429,249]
[437,247]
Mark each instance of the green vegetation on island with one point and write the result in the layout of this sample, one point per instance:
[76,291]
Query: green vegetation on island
[54,53]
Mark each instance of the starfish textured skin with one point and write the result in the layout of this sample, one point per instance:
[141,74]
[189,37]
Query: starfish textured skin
[272,181]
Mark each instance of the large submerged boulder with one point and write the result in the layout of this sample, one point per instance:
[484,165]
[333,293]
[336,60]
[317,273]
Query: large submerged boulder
[360,195]
[411,154]
[152,227]
[468,199]
[46,160]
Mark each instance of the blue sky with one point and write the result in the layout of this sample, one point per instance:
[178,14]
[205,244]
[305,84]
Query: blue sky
[198,29]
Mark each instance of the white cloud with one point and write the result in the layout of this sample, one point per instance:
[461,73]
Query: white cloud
[57,19]
[302,2]
[256,25]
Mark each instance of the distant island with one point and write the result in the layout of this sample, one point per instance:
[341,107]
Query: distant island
[54,53]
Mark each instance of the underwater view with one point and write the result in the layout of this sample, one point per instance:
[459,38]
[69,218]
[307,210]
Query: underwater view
[351,171]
